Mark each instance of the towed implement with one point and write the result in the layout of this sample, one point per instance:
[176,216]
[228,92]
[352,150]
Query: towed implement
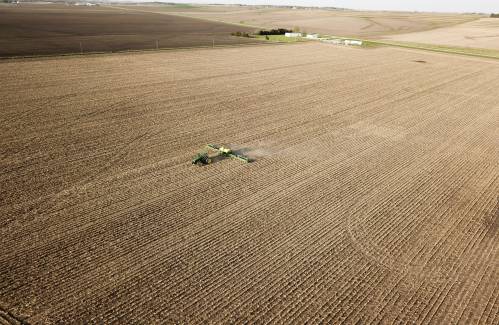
[203,158]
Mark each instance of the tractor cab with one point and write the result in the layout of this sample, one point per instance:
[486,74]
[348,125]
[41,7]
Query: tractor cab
[203,158]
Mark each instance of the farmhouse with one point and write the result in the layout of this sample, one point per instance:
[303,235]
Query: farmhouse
[292,34]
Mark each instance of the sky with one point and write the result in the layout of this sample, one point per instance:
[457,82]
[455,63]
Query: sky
[485,6]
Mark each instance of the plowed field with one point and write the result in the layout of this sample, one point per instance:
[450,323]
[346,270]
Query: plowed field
[483,33]
[47,29]
[331,22]
[372,197]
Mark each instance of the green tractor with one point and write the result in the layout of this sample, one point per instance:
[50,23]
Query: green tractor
[203,158]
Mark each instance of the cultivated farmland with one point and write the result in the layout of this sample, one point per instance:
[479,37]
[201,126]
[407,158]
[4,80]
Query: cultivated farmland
[372,197]
[483,33]
[331,22]
[57,29]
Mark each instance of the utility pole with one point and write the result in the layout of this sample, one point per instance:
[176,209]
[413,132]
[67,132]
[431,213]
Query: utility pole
[157,44]
[213,43]
[81,48]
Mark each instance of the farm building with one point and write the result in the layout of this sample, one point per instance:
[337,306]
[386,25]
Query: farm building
[336,41]
[352,42]
[292,34]
[313,36]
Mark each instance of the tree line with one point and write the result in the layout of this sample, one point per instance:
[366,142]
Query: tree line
[263,32]
[278,31]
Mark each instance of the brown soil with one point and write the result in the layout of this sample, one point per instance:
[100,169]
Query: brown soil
[372,197]
[330,22]
[483,33]
[57,29]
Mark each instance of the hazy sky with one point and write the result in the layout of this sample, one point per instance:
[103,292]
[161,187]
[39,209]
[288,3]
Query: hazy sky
[410,5]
